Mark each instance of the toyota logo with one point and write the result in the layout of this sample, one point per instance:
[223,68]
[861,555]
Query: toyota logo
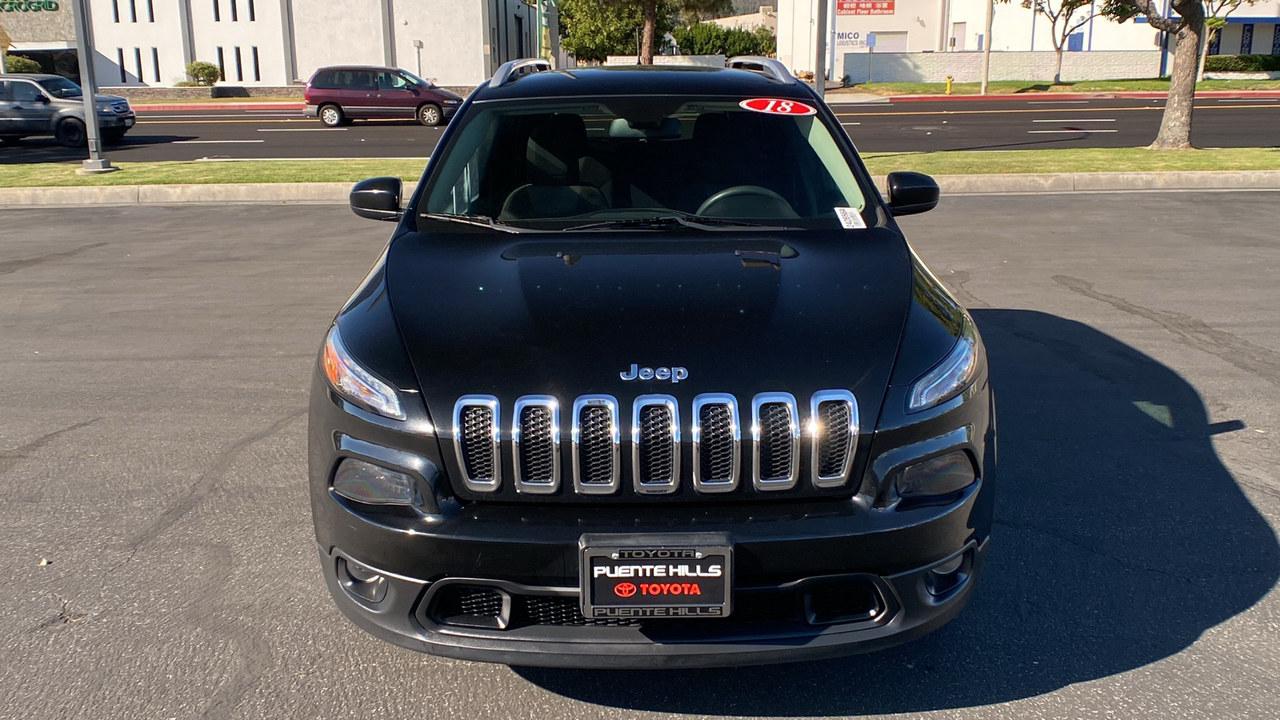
[625,590]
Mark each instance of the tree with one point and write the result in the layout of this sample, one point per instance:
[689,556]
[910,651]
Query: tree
[1216,12]
[591,30]
[1188,31]
[649,17]
[1065,17]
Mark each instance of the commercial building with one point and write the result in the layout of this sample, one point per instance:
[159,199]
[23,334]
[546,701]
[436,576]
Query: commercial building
[281,42]
[958,26]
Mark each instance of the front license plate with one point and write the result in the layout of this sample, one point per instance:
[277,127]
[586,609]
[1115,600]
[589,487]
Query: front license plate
[656,576]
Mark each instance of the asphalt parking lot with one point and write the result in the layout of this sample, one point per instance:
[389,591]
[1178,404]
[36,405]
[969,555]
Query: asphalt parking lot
[155,531]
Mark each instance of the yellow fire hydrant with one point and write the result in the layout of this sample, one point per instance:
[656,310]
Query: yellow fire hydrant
[948,84]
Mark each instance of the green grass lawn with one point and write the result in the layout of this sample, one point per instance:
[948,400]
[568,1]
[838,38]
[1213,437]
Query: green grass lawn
[1008,87]
[1073,160]
[202,172]
[937,163]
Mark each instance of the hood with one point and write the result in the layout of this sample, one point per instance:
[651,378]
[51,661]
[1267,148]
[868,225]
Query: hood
[743,314]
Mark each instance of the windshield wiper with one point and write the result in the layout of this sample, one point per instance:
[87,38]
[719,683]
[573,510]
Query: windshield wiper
[666,221]
[479,221]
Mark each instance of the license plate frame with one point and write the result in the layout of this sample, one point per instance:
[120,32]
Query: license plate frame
[695,580]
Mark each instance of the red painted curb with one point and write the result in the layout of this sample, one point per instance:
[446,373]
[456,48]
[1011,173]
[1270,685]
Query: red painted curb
[1082,96]
[219,106]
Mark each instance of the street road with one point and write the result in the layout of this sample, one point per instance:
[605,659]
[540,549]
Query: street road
[156,542]
[998,124]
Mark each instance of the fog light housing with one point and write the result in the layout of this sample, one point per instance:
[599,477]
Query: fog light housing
[947,577]
[368,483]
[941,475]
[361,581]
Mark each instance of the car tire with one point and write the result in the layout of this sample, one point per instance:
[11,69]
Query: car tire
[71,132]
[112,137]
[332,116]
[429,114]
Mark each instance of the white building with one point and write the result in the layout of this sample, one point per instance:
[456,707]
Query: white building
[282,42]
[957,26]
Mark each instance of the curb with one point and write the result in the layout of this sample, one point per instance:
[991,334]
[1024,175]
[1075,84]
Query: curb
[336,193]
[166,107]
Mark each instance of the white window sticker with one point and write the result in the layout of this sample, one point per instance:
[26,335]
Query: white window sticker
[850,218]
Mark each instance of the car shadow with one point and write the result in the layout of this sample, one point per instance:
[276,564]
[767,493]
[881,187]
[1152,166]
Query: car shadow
[1119,539]
[47,150]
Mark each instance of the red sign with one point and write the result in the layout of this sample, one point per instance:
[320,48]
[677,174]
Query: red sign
[864,7]
[777,107]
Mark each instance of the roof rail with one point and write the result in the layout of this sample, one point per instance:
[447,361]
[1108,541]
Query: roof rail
[507,70]
[768,66]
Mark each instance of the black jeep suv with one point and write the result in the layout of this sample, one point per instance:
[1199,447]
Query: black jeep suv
[648,376]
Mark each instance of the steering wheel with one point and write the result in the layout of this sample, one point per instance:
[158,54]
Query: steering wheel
[757,201]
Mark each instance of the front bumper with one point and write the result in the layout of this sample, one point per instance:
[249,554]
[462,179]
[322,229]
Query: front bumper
[116,121]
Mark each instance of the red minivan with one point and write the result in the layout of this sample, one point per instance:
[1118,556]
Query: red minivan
[339,94]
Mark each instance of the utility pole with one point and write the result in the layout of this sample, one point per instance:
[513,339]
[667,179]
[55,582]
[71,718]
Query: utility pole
[89,91]
[986,46]
[820,62]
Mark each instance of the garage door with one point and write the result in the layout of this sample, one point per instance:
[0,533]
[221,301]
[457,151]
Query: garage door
[891,42]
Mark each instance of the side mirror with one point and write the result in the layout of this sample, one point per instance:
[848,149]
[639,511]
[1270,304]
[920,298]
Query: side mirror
[911,193]
[377,198]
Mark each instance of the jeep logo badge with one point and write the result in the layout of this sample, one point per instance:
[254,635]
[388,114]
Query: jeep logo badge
[674,374]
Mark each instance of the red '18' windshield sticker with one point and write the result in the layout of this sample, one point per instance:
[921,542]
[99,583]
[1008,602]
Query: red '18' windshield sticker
[777,107]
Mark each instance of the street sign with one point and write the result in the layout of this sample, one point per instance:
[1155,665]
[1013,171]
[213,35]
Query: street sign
[871,40]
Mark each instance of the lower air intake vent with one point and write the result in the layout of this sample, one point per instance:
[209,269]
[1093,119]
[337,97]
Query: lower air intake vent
[557,610]
[471,606]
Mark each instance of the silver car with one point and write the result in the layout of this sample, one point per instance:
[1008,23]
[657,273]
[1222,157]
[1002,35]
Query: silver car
[33,104]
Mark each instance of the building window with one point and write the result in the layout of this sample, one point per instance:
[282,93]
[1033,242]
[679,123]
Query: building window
[137,63]
[151,11]
[222,65]
[133,10]
[120,61]
[155,64]
[252,15]
[115,10]
[257,70]
[239,65]
[217,12]
[1246,39]
[235,16]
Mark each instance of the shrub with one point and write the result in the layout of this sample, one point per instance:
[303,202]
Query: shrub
[710,39]
[204,73]
[1242,63]
[20,64]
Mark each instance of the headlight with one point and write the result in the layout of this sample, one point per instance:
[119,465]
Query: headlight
[937,476]
[355,383]
[949,377]
[369,483]
[452,102]
[104,107]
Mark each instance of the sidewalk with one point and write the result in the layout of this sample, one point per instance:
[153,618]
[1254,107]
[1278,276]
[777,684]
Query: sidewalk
[336,193]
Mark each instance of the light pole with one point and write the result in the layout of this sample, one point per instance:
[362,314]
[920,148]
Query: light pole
[89,91]
[986,46]
[820,61]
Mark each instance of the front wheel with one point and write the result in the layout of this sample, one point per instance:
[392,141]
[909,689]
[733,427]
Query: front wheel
[71,132]
[429,114]
[331,116]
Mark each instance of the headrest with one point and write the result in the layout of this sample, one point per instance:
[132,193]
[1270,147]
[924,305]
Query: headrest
[554,149]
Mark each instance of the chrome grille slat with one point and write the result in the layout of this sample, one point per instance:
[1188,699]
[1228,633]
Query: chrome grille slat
[833,436]
[716,443]
[775,442]
[535,439]
[655,444]
[596,440]
[476,423]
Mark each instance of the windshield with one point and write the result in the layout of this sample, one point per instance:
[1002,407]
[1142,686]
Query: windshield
[556,164]
[61,88]
[416,79]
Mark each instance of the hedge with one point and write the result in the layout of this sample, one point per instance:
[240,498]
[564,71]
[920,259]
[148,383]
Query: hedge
[1242,63]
